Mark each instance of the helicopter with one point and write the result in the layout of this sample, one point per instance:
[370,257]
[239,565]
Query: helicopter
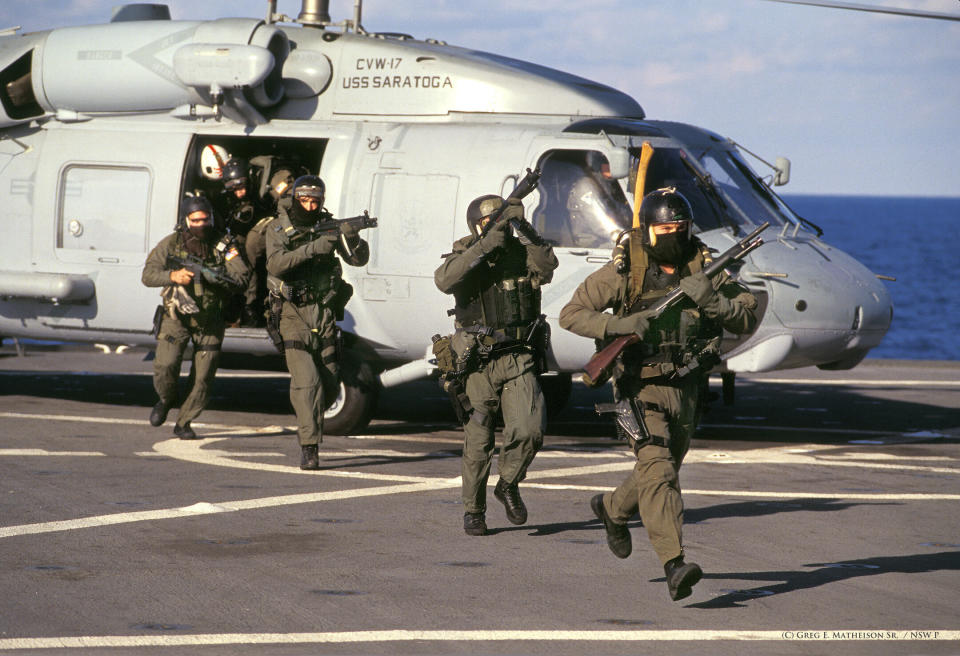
[103,129]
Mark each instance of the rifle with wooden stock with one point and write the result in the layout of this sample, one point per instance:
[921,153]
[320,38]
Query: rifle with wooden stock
[597,371]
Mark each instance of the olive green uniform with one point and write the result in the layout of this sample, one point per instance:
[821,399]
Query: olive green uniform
[507,378]
[311,294]
[205,327]
[669,407]
[256,251]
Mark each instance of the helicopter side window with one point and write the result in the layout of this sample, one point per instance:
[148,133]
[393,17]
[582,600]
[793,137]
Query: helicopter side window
[579,207]
[99,206]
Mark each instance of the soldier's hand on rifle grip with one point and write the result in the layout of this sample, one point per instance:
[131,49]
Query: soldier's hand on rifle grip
[350,234]
[699,288]
[181,276]
[323,244]
[513,210]
[637,323]
[494,239]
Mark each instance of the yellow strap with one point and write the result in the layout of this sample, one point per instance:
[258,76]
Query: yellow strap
[635,279]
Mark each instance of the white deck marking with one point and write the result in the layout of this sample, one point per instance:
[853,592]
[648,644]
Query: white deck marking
[44,452]
[200,451]
[407,635]
[855,382]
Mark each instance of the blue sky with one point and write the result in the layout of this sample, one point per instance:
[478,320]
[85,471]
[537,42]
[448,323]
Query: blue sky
[861,103]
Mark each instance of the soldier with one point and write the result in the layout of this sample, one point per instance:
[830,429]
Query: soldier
[307,296]
[663,405]
[243,212]
[194,294]
[496,282]
[281,183]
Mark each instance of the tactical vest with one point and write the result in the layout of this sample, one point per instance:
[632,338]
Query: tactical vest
[319,280]
[501,294]
[207,297]
[677,331]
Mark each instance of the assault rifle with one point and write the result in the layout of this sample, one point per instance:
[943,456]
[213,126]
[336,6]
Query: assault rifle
[598,369]
[527,184]
[327,226]
[196,266]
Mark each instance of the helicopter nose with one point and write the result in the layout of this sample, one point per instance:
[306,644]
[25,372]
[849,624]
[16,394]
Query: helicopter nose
[828,310]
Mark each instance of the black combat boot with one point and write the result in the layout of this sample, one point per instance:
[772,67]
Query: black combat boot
[509,496]
[681,577]
[184,432]
[309,456]
[159,414]
[474,523]
[618,535]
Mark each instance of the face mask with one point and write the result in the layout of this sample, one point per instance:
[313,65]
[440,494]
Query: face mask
[301,216]
[670,249]
[202,233]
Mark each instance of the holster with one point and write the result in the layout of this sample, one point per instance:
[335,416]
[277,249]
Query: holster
[274,308]
[458,399]
[630,424]
[157,320]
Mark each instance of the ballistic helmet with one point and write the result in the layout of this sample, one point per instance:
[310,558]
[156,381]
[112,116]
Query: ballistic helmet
[234,174]
[195,203]
[481,207]
[212,160]
[665,205]
[307,186]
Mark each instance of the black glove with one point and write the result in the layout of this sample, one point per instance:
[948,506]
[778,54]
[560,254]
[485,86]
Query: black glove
[699,288]
[514,210]
[350,234]
[323,244]
[493,240]
[637,323]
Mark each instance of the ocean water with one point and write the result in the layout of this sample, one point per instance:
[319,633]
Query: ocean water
[915,240]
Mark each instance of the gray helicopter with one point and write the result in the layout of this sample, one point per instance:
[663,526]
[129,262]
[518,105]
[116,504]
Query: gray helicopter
[103,128]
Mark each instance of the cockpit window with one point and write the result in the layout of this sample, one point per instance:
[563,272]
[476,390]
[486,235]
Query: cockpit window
[743,189]
[580,207]
[669,168]
[722,190]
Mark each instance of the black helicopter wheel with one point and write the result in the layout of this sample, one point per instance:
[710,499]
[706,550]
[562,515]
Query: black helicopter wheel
[357,398]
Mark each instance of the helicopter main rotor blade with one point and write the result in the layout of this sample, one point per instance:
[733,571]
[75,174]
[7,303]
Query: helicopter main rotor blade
[869,8]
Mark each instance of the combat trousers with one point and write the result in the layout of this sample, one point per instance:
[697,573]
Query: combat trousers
[309,341]
[171,343]
[653,487]
[508,382]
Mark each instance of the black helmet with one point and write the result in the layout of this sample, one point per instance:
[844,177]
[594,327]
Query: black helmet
[194,203]
[309,186]
[481,207]
[234,174]
[665,205]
